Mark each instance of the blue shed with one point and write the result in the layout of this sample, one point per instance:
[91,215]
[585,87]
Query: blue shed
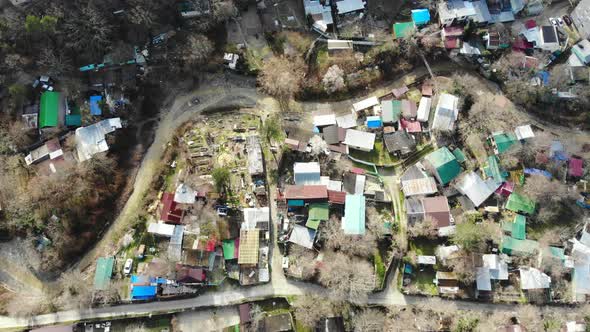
[420,16]
[374,122]
[143,292]
[94,106]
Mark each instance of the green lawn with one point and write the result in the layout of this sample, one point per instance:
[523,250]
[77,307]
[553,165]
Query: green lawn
[378,155]
[379,269]
[424,281]
[423,247]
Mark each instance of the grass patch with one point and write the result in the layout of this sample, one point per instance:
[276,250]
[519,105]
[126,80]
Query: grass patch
[423,247]
[378,155]
[379,269]
[300,328]
[424,281]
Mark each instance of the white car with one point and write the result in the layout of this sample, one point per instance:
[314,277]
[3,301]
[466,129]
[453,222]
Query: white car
[553,21]
[128,266]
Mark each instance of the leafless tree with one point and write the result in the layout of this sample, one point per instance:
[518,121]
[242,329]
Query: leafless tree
[304,259]
[137,327]
[347,277]
[541,189]
[493,321]
[352,245]
[529,316]
[369,320]
[282,77]
[224,10]
[75,292]
[143,12]
[196,50]
[334,80]
[423,228]
[309,309]
[87,31]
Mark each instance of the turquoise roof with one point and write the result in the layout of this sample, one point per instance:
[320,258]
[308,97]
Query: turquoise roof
[354,215]
[420,16]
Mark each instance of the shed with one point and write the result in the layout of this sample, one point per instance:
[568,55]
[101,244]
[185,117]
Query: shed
[459,155]
[426,260]
[366,103]
[520,204]
[478,190]
[255,157]
[447,282]
[317,213]
[95,106]
[161,229]
[249,242]
[446,112]
[103,273]
[516,228]
[230,249]
[49,111]
[175,244]
[524,132]
[245,313]
[302,236]
[423,186]
[390,111]
[346,121]
[409,109]
[339,45]
[373,122]
[420,16]
[360,140]
[531,278]
[306,173]
[512,246]
[353,222]
[143,292]
[576,167]
[445,165]
[324,120]
[424,109]
[403,29]
[502,141]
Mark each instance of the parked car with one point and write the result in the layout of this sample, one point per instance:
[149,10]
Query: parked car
[560,21]
[553,21]
[128,266]
[567,19]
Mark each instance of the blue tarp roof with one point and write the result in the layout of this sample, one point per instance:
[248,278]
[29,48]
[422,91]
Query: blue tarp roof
[420,16]
[94,107]
[544,76]
[143,292]
[373,121]
[535,171]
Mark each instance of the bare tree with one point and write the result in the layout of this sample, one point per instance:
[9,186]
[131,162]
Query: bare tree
[309,309]
[334,80]
[369,320]
[196,50]
[493,321]
[363,246]
[282,77]
[423,228]
[143,12]
[75,292]
[541,189]
[304,259]
[529,316]
[88,30]
[347,277]
[224,10]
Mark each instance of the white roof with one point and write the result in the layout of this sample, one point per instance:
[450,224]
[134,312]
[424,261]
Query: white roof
[302,236]
[482,279]
[359,185]
[346,121]
[573,326]
[161,229]
[324,120]
[337,44]
[359,139]
[472,186]
[524,132]
[184,194]
[427,260]
[364,104]
[497,266]
[424,186]
[424,109]
[253,216]
[466,48]
[302,168]
[347,6]
[331,184]
[531,278]
[91,140]
[446,112]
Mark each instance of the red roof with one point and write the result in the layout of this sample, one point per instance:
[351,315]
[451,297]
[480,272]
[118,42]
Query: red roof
[576,167]
[357,170]
[521,44]
[505,189]
[530,24]
[438,209]
[452,42]
[453,31]
[306,192]
[336,197]
[211,245]
[427,89]
[398,92]
[340,148]
[244,310]
[185,274]
[411,126]
[170,212]
[530,62]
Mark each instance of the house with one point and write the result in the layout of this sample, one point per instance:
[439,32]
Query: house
[446,112]
[581,18]
[548,38]
[447,283]
[161,229]
[531,278]
[501,142]
[184,194]
[410,126]
[307,193]
[471,185]
[346,121]
[50,150]
[171,212]
[524,132]
[494,268]
[52,105]
[365,104]
[303,236]
[409,110]
[437,208]
[443,164]
[306,173]
[330,134]
[359,140]
[353,222]
[318,212]
[419,187]
[249,243]
[320,15]
[576,167]
[451,36]
[516,228]
[420,16]
[323,120]
[403,30]
[255,158]
[91,140]
[516,247]
[423,113]
[103,273]
[399,142]
[390,111]
[256,218]
[520,204]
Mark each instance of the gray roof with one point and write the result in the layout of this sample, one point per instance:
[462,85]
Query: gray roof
[478,190]
[175,245]
[414,172]
[302,236]
[581,17]
[414,206]
[330,135]
[184,194]
[91,140]
[255,163]
[399,141]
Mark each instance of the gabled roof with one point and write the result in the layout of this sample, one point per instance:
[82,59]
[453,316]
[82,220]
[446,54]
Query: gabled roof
[256,218]
[446,112]
[390,110]
[503,141]
[336,197]
[519,203]
[424,109]
[516,228]
[170,211]
[410,126]
[512,246]
[365,103]
[409,109]
[402,29]
[438,209]
[302,236]
[399,141]
[306,192]
[359,139]
[49,111]
[373,122]
[330,134]
[324,120]
[91,140]
[524,132]
[445,163]
[531,278]
[353,222]
[346,121]
[423,186]
[478,190]
[306,173]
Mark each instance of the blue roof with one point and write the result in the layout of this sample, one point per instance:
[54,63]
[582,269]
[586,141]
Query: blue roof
[373,121]
[420,16]
[143,292]
[94,107]
[536,171]
[296,202]
[354,215]
[544,75]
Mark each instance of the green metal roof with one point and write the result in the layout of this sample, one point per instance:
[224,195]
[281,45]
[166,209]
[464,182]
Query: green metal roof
[313,223]
[229,249]
[459,155]
[49,112]
[494,170]
[354,215]
[516,228]
[319,211]
[519,203]
[446,164]
[512,246]
[558,253]
[103,273]
[73,120]
[504,141]
[402,29]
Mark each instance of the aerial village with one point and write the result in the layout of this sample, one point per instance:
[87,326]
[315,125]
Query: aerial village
[408,182]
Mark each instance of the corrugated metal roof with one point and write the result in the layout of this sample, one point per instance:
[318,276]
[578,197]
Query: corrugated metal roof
[353,222]
[103,273]
[306,192]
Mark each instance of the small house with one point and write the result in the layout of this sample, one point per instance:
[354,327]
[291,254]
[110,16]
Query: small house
[306,173]
[524,132]
[424,109]
[91,140]
[353,222]
[520,204]
[390,111]
[548,38]
[409,109]
[323,120]
[365,104]
[359,140]
[443,164]
[531,278]
[403,29]
[516,247]
[346,121]
[161,229]
[471,185]
[302,236]
[255,157]
[420,16]
[410,126]
[317,213]
[437,208]
[248,250]
[373,122]
[502,142]
[446,112]
[399,143]
[576,167]
[50,150]
[447,283]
